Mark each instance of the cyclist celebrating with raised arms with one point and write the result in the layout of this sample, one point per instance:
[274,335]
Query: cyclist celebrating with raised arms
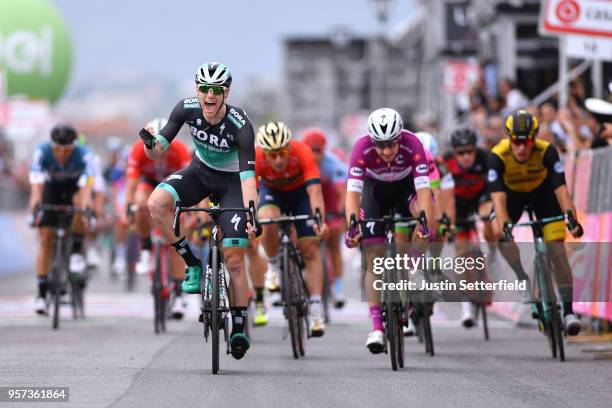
[224,165]
[388,170]
[291,183]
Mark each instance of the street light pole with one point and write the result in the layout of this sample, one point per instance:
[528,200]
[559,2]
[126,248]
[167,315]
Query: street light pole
[382,8]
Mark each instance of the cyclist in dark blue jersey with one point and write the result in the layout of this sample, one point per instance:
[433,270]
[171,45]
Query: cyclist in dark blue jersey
[60,174]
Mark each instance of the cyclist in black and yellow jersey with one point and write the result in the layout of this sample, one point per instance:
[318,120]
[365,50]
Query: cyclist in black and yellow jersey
[524,170]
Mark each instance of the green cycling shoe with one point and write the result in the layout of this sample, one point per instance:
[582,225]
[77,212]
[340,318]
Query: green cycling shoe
[191,284]
[239,344]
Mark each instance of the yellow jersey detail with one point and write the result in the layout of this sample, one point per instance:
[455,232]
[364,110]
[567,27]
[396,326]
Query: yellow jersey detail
[527,176]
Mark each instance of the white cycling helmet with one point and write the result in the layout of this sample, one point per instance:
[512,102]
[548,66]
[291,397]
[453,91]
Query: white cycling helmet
[213,73]
[384,124]
[273,136]
[428,141]
[157,124]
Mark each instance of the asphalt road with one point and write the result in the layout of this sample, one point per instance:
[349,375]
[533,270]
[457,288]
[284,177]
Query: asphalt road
[113,359]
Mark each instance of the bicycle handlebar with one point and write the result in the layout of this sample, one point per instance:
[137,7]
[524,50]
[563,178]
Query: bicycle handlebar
[214,212]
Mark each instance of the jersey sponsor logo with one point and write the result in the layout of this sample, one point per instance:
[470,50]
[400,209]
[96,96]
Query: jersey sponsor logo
[399,159]
[559,167]
[191,103]
[370,226]
[356,171]
[492,176]
[199,122]
[221,129]
[421,182]
[251,162]
[210,138]
[417,157]
[235,220]
[422,168]
[354,185]
[237,118]
[174,177]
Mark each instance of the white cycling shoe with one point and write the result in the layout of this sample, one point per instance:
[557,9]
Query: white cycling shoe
[40,305]
[143,266]
[468,317]
[375,342]
[317,327]
[77,264]
[572,324]
[93,257]
[119,266]
[179,308]
[408,330]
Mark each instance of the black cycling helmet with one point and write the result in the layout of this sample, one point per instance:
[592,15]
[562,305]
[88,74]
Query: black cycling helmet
[522,125]
[463,137]
[63,134]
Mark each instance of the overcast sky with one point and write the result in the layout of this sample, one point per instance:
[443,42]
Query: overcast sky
[171,38]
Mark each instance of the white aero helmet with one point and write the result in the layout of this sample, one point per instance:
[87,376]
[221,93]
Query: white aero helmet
[384,124]
[273,136]
[428,141]
[157,124]
[213,73]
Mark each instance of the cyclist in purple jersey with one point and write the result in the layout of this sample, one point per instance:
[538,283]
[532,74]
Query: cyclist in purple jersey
[388,171]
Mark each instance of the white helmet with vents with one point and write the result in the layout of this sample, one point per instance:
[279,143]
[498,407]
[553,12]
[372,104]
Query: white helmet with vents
[213,73]
[384,124]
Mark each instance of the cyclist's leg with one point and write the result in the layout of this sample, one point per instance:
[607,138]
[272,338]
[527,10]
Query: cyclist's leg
[374,205]
[186,186]
[143,226]
[515,203]
[77,260]
[554,235]
[257,271]
[334,252]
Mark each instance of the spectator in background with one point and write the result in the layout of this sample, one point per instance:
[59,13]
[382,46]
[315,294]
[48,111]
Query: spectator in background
[602,112]
[513,98]
[495,105]
[495,131]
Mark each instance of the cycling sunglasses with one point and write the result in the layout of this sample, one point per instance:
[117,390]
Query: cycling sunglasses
[388,143]
[518,142]
[275,154]
[463,152]
[216,89]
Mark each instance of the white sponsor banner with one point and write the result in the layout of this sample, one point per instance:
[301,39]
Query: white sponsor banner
[579,17]
[592,48]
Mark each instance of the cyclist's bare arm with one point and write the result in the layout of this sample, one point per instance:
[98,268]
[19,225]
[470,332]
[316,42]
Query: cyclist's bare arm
[425,203]
[315,195]
[447,197]
[566,204]
[249,191]
[130,191]
[36,194]
[501,210]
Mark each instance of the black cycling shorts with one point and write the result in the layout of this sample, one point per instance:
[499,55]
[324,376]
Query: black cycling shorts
[58,193]
[197,182]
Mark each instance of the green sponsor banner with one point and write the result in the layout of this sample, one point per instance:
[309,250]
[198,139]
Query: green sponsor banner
[35,49]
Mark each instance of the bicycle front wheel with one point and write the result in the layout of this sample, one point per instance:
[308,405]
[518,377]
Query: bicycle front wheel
[557,330]
[392,330]
[289,304]
[215,313]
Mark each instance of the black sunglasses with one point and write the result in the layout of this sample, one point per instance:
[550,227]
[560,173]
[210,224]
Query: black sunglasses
[385,144]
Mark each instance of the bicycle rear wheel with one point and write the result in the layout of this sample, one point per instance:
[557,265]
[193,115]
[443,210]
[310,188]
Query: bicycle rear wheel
[215,313]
